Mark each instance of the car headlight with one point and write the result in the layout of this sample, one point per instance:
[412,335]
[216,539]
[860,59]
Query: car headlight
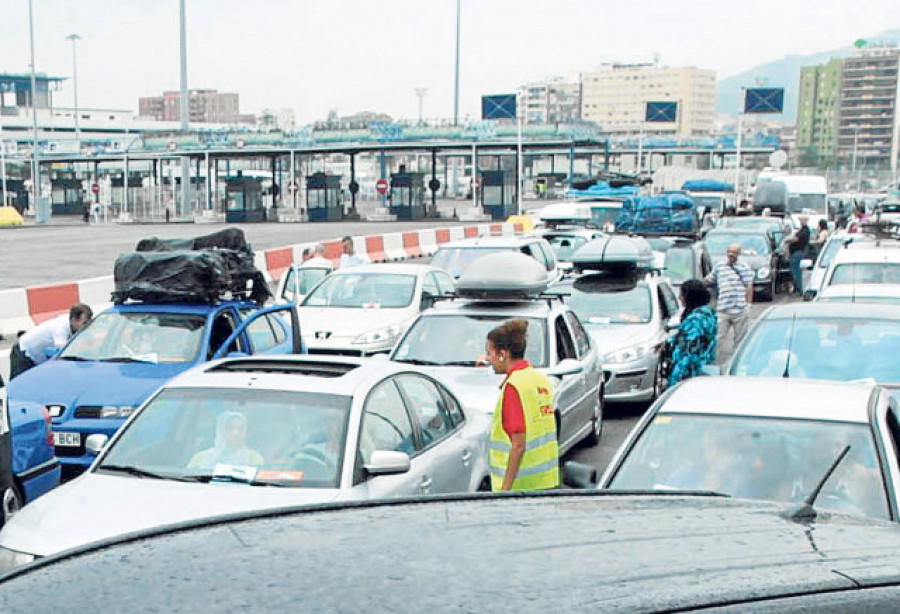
[114,411]
[10,559]
[379,335]
[763,272]
[629,354]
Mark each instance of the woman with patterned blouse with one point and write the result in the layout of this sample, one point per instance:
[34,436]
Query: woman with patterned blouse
[694,344]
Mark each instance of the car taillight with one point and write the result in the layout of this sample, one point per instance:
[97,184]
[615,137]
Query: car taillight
[48,421]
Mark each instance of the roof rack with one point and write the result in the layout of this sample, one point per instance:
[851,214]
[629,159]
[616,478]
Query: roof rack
[318,369]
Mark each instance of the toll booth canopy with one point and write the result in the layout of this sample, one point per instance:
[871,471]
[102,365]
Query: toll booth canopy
[67,196]
[408,195]
[323,198]
[243,198]
[498,195]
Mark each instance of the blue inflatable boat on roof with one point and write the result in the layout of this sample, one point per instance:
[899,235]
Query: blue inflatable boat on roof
[667,213]
[707,185]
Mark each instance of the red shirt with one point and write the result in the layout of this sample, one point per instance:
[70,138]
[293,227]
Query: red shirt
[513,413]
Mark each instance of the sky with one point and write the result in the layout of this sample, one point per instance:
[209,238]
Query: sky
[314,56]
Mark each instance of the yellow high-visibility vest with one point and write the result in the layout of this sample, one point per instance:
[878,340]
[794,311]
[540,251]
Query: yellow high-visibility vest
[539,468]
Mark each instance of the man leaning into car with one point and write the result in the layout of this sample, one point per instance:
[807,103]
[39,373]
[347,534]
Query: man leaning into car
[32,347]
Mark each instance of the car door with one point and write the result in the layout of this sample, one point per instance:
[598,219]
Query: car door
[446,457]
[236,341]
[386,425]
[568,387]
[592,371]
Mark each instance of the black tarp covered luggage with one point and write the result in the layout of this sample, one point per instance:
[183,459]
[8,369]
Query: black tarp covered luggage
[199,270]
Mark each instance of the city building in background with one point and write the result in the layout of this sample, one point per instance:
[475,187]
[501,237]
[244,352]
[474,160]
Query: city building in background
[868,122]
[615,97]
[817,113]
[205,107]
[279,119]
[551,101]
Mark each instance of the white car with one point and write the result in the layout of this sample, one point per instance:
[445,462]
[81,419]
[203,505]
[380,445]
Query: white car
[872,262]
[245,434]
[456,256]
[299,279]
[888,294]
[817,270]
[363,310]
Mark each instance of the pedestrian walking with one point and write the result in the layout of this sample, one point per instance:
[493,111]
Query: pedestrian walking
[733,282]
[694,345]
[523,451]
[798,244]
[31,348]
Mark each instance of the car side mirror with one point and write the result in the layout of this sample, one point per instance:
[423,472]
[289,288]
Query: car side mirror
[568,366]
[806,264]
[385,462]
[579,475]
[427,301]
[711,370]
[94,444]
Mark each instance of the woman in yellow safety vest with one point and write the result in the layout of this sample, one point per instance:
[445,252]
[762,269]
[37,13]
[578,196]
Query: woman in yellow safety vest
[523,452]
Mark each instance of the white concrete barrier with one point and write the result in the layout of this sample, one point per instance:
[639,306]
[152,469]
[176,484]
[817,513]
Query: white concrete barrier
[393,246]
[14,312]
[428,241]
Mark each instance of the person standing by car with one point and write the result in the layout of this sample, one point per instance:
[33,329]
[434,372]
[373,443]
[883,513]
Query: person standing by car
[733,281]
[797,246]
[523,451]
[349,258]
[694,344]
[821,238]
[31,349]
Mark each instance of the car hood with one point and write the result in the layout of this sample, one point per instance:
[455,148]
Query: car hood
[477,387]
[97,506]
[611,337]
[756,262]
[92,383]
[349,322]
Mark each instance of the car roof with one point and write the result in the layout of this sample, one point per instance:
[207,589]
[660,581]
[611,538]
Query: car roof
[867,253]
[189,308]
[388,268]
[598,550]
[776,397]
[308,373]
[537,307]
[487,241]
[863,311]
[736,230]
[860,290]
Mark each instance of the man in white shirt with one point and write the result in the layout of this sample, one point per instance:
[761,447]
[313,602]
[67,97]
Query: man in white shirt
[318,259]
[31,349]
[350,258]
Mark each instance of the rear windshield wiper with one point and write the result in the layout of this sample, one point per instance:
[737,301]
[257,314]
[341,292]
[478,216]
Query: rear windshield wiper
[141,473]
[128,359]
[417,361]
[228,477]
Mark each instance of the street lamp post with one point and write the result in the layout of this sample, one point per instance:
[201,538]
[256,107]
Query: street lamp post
[420,92]
[41,215]
[74,38]
[456,73]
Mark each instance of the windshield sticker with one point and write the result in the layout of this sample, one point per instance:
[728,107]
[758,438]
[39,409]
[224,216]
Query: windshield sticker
[371,305]
[599,320]
[270,475]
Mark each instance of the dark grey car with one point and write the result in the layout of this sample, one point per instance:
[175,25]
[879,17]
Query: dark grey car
[586,551]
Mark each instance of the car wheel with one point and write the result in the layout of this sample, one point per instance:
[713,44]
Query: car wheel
[596,431]
[659,378]
[11,503]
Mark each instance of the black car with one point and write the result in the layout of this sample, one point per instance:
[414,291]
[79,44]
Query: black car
[584,551]
[758,250]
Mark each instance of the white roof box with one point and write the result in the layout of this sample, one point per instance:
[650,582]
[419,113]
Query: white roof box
[503,276]
[566,211]
[615,251]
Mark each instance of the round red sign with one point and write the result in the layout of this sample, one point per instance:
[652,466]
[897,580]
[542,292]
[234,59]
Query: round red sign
[95,189]
[382,186]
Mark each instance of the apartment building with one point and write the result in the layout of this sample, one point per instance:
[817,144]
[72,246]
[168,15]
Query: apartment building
[550,101]
[615,96]
[204,106]
[817,113]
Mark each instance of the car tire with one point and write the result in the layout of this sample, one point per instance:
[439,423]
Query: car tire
[596,432]
[659,377]
[10,503]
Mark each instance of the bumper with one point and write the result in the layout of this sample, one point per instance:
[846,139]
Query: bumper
[74,460]
[629,382]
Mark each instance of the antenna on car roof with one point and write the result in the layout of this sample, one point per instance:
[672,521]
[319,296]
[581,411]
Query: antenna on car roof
[787,360]
[806,511]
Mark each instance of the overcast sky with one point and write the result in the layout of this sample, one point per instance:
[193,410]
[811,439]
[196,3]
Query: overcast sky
[353,55]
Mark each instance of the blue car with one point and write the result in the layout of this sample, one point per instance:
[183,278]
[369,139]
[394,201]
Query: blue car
[123,356]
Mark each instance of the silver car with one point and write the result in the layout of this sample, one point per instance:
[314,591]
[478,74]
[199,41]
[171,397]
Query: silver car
[247,434]
[771,439]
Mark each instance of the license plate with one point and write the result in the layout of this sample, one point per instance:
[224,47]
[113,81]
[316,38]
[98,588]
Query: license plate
[67,440]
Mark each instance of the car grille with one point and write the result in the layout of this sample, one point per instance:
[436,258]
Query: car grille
[336,352]
[88,411]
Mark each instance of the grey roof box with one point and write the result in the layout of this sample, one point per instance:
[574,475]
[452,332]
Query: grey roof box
[503,276]
[614,252]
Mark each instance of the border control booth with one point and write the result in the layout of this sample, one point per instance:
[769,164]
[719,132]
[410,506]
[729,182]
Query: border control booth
[323,198]
[498,194]
[408,195]
[243,198]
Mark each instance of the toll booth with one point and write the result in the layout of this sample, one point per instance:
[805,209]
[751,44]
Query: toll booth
[498,194]
[67,197]
[243,200]
[323,198]
[408,195]
[17,195]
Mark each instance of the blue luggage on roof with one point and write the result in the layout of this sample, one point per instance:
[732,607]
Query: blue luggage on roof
[707,185]
[663,214]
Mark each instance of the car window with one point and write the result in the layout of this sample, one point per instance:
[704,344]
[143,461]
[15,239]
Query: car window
[669,298]
[445,283]
[866,273]
[679,263]
[428,406]
[430,285]
[453,408]
[600,301]
[664,312]
[582,341]
[264,333]
[565,346]
[222,327]
[301,280]
[549,259]
[386,424]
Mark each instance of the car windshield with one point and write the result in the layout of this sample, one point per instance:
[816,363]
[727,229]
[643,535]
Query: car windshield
[679,264]
[601,216]
[806,203]
[253,436]
[138,337]
[866,273]
[301,280]
[711,203]
[455,260]
[598,300]
[751,244]
[363,290]
[891,208]
[828,252]
[460,339]
[757,458]
[564,245]
[841,349]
